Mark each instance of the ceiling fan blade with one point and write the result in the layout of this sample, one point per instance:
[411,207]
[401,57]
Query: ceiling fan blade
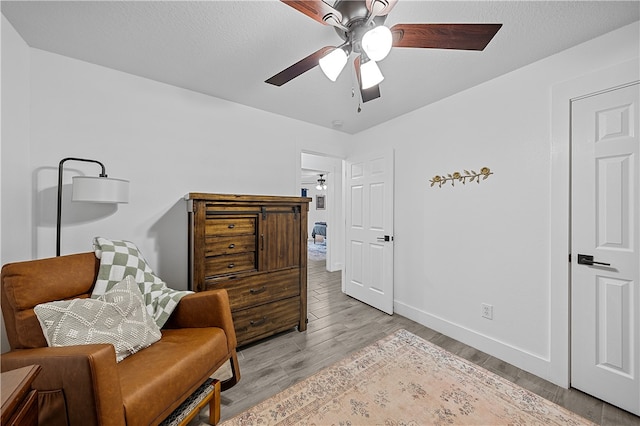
[380,7]
[318,11]
[444,36]
[299,67]
[367,94]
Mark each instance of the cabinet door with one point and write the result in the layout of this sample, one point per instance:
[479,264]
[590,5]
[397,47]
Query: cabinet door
[280,238]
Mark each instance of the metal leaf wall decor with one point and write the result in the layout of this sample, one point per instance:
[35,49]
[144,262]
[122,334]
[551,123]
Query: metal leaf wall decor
[471,176]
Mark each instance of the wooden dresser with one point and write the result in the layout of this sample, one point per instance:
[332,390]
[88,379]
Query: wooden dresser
[256,248]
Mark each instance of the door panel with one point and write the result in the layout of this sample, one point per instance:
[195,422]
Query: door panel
[605,301]
[369,205]
[614,299]
[613,196]
[280,239]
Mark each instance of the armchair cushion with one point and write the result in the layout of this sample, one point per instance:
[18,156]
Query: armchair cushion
[121,258]
[118,317]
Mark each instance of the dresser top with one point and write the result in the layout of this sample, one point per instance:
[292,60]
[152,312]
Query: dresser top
[245,198]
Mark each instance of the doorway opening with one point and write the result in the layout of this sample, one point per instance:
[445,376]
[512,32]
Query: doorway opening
[325,233]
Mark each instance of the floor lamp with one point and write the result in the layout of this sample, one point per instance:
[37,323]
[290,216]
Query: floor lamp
[93,189]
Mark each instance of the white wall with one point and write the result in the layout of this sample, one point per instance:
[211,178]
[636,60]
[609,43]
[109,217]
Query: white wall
[16,182]
[167,141]
[15,176]
[458,247]
[314,214]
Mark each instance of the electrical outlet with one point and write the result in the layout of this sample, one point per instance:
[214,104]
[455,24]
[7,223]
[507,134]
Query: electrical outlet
[487,311]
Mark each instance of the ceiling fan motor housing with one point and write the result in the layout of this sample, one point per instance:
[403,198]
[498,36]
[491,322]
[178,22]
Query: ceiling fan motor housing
[354,17]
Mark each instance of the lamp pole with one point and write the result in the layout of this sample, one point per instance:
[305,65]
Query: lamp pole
[60,169]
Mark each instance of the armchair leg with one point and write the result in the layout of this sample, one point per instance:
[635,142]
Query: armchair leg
[214,404]
[235,373]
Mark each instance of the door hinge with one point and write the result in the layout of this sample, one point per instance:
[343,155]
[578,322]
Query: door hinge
[569,257]
[264,213]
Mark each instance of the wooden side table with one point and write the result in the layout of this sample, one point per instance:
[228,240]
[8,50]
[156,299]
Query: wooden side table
[19,401]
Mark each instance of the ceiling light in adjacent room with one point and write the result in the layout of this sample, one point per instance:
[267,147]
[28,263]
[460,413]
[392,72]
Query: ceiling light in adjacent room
[322,184]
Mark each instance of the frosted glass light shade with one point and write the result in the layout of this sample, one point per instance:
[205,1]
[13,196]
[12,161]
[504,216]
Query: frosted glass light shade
[333,63]
[100,189]
[370,74]
[377,42]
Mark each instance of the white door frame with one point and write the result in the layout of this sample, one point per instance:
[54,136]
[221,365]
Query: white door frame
[560,196]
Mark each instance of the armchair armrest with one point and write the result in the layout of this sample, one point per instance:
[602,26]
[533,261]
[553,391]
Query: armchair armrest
[87,377]
[205,309]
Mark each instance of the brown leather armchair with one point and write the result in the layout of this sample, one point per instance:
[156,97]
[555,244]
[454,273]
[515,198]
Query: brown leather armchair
[83,385]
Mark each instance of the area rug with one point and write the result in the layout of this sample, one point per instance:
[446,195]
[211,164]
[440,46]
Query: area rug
[405,380]
[317,251]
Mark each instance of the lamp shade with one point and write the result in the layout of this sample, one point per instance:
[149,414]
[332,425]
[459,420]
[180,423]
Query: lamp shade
[377,42]
[370,74]
[333,63]
[100,189]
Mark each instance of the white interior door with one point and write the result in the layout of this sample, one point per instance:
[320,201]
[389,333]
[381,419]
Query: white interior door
[369,230]
[605,293]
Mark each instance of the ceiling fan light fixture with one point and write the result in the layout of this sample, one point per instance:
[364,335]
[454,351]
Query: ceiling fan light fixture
[377,42]
[322,183]
[370,74]
[333,63]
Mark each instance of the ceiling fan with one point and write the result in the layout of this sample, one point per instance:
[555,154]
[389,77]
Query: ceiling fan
[360,25]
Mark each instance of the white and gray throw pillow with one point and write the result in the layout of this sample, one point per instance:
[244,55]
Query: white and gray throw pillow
[118,317]
[119,258]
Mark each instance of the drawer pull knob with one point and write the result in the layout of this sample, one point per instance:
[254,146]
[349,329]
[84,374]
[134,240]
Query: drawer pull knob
[232,245]
[257,291]
[231,265]
[258,322]
[231,226]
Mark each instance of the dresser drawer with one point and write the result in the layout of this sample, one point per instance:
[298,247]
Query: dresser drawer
[258,289]
[215,246]
[265,320]
[230,225]
[229,264]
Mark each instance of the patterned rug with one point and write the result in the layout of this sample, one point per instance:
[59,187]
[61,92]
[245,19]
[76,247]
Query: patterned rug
[405,380]
[317,251]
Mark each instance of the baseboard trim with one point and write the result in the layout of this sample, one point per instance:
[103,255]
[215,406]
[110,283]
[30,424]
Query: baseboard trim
[533,363]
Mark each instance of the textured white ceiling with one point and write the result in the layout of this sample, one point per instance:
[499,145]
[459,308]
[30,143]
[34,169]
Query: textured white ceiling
[228,48]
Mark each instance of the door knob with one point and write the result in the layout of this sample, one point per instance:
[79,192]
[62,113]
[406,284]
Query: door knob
[385,238]
[586,259]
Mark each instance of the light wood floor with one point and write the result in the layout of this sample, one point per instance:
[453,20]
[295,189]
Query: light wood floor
[340,325]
